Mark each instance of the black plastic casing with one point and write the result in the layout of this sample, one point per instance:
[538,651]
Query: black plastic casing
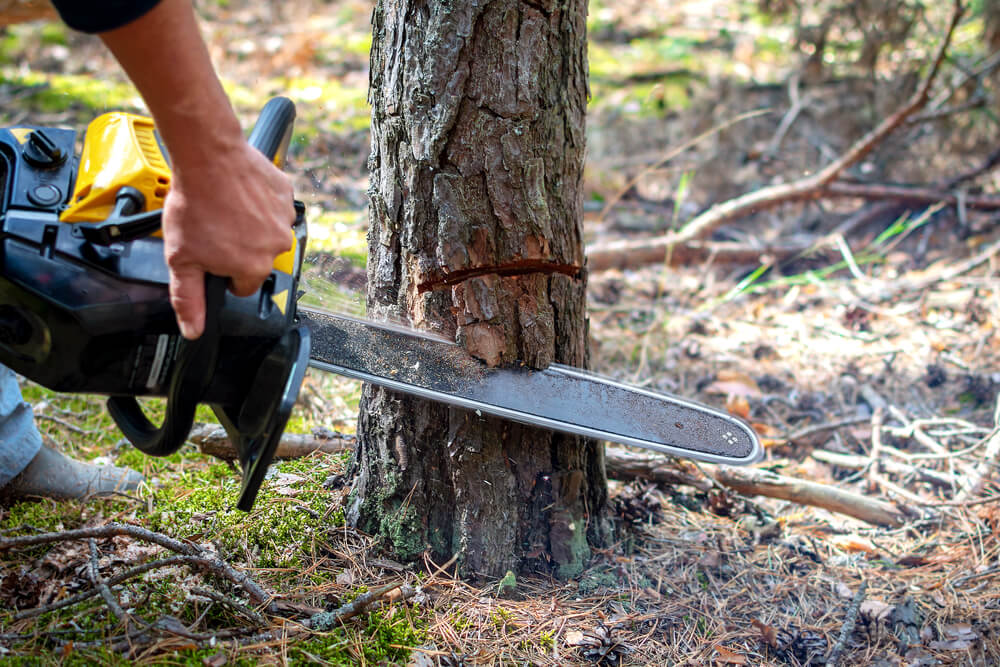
[78,317]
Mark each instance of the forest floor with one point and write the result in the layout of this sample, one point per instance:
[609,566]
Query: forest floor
[855,333]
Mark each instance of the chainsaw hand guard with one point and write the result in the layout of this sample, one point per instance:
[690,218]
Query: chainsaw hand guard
[192,374]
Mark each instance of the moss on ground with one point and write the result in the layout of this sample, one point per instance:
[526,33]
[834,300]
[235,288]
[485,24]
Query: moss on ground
[291,515]
[53,93]
[385,638]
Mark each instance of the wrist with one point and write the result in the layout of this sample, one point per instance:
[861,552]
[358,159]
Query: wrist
[199,133]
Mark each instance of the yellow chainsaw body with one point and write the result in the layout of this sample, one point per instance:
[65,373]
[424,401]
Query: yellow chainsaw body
[122,149]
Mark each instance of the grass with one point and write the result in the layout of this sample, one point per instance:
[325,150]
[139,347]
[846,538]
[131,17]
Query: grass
[55,93]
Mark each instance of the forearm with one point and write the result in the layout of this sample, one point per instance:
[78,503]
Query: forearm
[165,57]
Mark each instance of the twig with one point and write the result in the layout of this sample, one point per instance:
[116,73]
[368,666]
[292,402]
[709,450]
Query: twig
[113,581]
[751,481]
[216,596]
[985,468]
[988,164]
[329,619]
[798,104]
[952,272]
[813,187]
[104,589]
[875,462]
[848,628]
[196,554]
[65,424]
[813,429]
[855,462]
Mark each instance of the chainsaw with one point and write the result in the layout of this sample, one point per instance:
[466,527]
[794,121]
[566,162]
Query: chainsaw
[84,307]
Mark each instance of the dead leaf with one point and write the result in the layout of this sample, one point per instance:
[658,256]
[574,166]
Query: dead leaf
[768,633]
[729,657]
[215,660]
[345,578]
[734,383]
[765,430]
[738,405]
[574,638]
[876,610]
[854,544]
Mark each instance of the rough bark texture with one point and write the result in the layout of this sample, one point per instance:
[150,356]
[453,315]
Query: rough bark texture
[477,157]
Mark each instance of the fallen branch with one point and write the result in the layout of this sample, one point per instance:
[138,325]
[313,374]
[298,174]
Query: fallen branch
[213,441]
[753,481]
[909,195]
[242,609]
[621,465]
[105,590]
[640,252]
[814,186]
[112,581]
[328,620]
[857,462]
[985,469]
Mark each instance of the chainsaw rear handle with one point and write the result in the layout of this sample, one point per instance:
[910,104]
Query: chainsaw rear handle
[196,359]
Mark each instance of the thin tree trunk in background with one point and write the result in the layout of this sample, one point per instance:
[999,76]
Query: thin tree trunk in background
[476,233]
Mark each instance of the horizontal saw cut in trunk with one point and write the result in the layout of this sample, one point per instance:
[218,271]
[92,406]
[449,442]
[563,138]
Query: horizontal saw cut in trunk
[475,235]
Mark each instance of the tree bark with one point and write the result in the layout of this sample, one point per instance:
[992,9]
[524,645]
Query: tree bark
[476,234]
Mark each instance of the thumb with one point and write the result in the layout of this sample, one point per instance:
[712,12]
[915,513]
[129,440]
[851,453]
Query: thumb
[187,296]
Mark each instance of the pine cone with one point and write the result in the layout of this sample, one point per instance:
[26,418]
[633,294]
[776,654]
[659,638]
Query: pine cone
[601,646]
[810,648]
[799,645]
[637,504]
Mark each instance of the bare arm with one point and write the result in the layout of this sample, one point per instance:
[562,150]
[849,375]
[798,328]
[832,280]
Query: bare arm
[229,210]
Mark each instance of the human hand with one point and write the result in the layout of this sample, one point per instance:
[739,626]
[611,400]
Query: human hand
[230,213]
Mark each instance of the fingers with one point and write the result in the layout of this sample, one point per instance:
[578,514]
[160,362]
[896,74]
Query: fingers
[187,296]
[244,287]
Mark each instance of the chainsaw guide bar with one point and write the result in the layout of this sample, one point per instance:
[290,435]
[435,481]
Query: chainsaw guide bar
[559,397]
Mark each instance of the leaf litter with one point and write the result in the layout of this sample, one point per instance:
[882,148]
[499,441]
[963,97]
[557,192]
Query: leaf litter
[808,349]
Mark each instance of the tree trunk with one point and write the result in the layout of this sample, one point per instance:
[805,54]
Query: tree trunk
[476,233]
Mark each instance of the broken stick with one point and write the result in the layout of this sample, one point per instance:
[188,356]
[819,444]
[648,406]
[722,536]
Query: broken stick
[756,482]
[213,441]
